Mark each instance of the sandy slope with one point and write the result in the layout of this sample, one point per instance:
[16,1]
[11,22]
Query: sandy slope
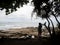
[18,32]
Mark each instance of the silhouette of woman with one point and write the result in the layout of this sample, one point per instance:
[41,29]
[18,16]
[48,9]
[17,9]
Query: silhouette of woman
[39,30]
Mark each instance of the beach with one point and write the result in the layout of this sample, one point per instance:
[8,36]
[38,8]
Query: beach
[25,36]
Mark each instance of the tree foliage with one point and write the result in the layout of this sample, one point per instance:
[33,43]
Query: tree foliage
[11,5]
[46,8]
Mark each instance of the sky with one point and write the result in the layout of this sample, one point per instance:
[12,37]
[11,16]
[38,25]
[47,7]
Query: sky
[21,18]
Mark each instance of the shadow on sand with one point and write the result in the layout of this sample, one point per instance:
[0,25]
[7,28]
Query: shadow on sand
[27,41]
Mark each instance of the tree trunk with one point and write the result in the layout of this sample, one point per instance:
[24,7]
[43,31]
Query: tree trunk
[53,30]
[48,26]
[57,21]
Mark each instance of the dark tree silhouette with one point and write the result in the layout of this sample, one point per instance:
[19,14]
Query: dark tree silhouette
[11,5]
[43,10]
[57,11]
[46,10]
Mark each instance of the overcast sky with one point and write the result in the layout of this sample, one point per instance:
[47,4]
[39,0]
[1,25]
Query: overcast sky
[22,15]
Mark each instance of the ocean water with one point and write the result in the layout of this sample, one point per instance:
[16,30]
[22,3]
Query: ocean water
[8,25]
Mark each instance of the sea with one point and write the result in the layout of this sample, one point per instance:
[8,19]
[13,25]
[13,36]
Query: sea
[9,25]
